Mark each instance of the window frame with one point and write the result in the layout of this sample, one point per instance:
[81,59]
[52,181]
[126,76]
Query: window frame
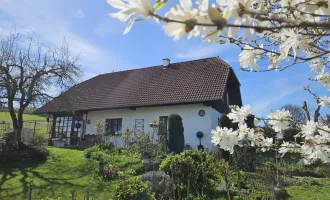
[160,125]
[109,125]
[63,124]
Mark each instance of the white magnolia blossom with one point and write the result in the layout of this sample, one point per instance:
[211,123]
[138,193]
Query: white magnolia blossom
[280,120]
[239,114]
[317,65]
[234,10]
[128,9]
[185,13]
[225,138]
[197,18]
[308,130]
[213,15]
[292,41]
[249,56]
[324,79]
[324,131]
[288,147]
[244,131]
[273,60]
[313,152]
[315,146]
[324,101]
[267,143]
[249,135]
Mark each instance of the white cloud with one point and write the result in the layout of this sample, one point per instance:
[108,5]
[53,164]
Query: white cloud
[195,53]
[108,26]
[202,51]
[46,21]
[79,13]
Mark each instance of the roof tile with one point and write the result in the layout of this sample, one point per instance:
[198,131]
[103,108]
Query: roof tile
[191,81]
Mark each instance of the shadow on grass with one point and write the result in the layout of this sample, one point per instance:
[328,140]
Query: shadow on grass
[43,183]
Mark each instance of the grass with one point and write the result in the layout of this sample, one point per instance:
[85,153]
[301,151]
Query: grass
[4,116]
[65,170]
[319,191]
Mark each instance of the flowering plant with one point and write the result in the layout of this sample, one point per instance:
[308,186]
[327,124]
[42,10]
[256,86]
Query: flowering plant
[281,32]
[316,138]
[110,173]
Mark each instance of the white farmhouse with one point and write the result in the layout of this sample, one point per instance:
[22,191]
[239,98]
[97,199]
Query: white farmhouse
[199,91]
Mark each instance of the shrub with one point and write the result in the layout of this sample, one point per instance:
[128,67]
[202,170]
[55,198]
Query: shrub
[88,152]
[133,189]
[100,155]
[7,143]
[161,184]
[182,170]
[110,174]
[199,169]
[321,171]
[40,153]
[260,196]
[176,136]
[138,168]
[187,147]
[108,146]
[40,139]
[24,155]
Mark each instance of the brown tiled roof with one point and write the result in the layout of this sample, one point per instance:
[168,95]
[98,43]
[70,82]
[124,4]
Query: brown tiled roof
[183,82]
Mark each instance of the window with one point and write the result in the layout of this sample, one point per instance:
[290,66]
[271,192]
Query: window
[63,126]
[162,127]
[113,125]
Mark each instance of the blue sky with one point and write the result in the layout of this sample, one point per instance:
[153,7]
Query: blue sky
[102,47]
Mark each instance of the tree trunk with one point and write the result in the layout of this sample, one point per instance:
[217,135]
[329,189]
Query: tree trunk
[19,125]
[14,121]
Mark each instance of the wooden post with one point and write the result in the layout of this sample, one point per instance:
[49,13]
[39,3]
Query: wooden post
[87,194]
[31,185]
[54,126]
[34,131]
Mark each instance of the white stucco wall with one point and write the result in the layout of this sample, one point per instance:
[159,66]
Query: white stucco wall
[215,115]
[192,122]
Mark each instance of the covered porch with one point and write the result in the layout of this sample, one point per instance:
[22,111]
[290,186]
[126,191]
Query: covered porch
[68,129]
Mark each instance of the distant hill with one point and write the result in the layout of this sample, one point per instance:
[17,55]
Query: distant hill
[5,116]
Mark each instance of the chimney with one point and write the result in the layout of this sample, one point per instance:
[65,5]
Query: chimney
[166,62]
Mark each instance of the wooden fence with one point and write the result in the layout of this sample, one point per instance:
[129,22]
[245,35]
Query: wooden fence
[31,130]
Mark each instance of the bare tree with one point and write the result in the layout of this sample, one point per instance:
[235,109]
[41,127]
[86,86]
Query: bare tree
[298,114]
[28,70]
[325,121]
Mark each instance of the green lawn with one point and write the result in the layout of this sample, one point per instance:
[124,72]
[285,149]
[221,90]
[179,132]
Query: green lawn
[64,171]
[311,192]
[4,116]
